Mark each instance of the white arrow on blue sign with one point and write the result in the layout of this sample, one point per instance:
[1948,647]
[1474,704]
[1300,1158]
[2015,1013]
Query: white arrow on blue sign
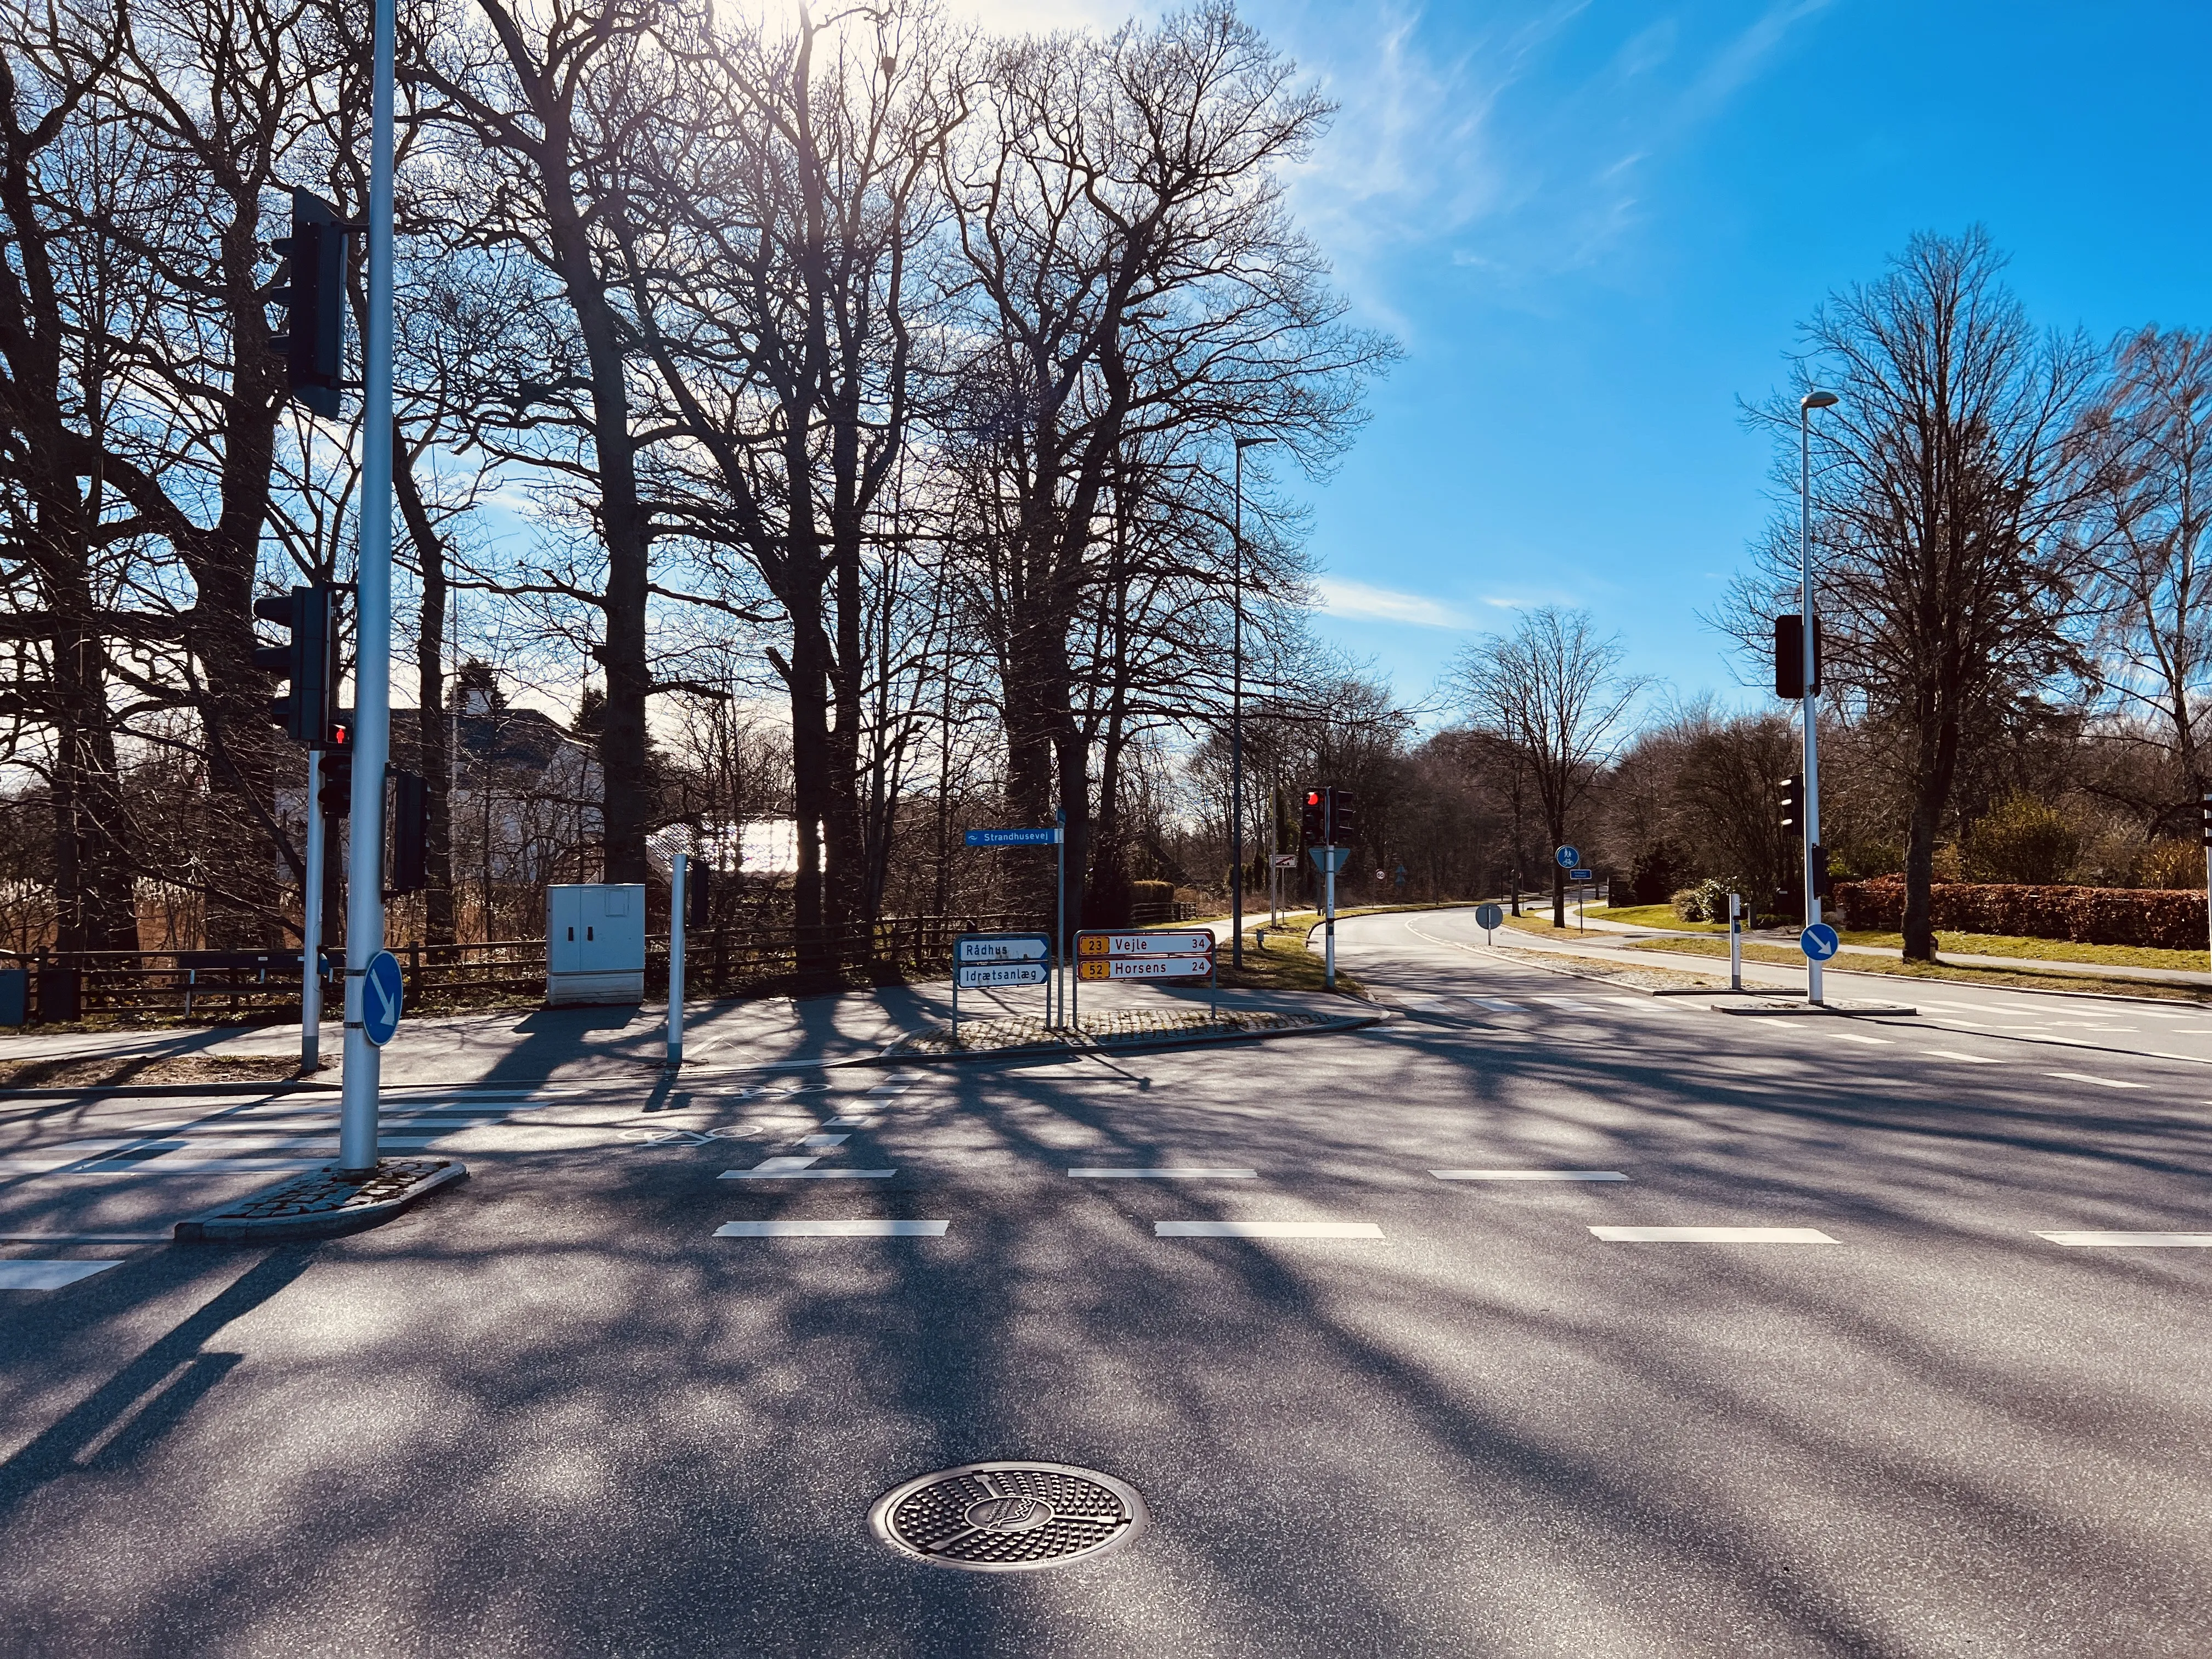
[1819,941]
[1045,836]
[1567,857]
[381,990]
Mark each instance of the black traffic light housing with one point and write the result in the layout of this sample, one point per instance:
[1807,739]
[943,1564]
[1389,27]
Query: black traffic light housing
[311,288]
[698,894]
[1824,885]
[411,832]
[1793,802]
[1313,817]
[2208,818]
[308,659]
[1790,657]
[1343,817]
[335,796]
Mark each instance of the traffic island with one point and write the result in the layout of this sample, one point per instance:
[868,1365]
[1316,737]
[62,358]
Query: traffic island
[1848,1006]
[1116,1030]
[323,1204]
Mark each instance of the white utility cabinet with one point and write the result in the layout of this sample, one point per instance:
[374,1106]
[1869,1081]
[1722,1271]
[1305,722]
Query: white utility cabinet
[595,945]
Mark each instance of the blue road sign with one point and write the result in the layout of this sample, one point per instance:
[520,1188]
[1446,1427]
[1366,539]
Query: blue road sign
[1819,941]
[381,988]
[1045,836]
[1579,875]
[1490,918]
[1329,858]
[1567,857]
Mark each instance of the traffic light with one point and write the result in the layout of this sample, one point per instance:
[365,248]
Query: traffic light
[337,793]
[411,832]
[308,659]
[1793,802]
[1790,657]
[1313,818]
[1823,884]
[312,290]
[2208,818]
[1343,817]
[698,886]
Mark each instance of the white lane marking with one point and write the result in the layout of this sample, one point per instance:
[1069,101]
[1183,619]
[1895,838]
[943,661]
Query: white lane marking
[901,1088]
[1165,1173]
[159,1166]
[783,1165]
[1580,1003]
[832,1230]
[1493,1004]
[1853,1036]
[1712,1236]
[1952,1054]
[1266,1230]
[806,1175]
[2121,1240]
[2101,1082]
[839,1140]
[46,1275]
[863,1123]
[1528,1175]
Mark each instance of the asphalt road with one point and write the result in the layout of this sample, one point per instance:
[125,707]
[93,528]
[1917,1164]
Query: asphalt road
[553,1412]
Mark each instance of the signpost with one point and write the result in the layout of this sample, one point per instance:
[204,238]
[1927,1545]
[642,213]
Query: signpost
[1175,953]
[1818,942]
[1055,835]
[1330,861]
[1490,918]
[1567,857]
[382,991]
[1735,941]
[996,961]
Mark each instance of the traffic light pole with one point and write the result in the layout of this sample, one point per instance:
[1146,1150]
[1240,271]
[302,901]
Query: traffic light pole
[311,928]
[371,744]
[1808,648]
[676,874]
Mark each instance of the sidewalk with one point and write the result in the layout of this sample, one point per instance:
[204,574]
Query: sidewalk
[580,1044]
[1785,938]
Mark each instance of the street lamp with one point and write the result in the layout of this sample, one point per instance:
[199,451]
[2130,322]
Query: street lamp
[1236,725]
[1807,644]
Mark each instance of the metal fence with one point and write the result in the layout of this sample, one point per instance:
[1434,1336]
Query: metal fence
[718,961]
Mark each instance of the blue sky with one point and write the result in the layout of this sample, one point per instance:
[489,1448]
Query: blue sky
[1594,227]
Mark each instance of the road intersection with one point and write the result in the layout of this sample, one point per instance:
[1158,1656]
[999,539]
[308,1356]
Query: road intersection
[1543,1319]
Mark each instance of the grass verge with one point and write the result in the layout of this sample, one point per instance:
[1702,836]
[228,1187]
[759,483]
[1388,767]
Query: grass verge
[2010,978]
[102,1070]
[1285,965]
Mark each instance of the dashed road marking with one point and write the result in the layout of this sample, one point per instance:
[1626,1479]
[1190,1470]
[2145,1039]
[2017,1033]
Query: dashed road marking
[1528,1175]
[804,1173]
[46,1275]
[2101,1082]
[826,1141]
[1266,1230]
[832,1230]
[1853,1036]
[1952,1054]
[1712,1236]
[1178,1173]
[1493,1004]
[2123,1241]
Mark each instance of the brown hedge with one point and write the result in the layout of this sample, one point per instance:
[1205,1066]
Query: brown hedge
[2085,915]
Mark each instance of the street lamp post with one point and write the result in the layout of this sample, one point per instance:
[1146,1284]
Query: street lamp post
[1808,638]
[1236,724]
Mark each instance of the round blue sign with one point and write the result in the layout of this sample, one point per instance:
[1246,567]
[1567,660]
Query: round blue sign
[380,991]
[1568,857]
[1819,941]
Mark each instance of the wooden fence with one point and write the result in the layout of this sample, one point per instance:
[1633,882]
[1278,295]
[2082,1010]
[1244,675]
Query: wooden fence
[719,961]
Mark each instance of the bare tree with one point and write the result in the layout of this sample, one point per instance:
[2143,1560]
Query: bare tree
[1555,687]
[2146,456]
[1943,497]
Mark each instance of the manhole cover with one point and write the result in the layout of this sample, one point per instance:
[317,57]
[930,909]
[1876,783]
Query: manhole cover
[1009,1517]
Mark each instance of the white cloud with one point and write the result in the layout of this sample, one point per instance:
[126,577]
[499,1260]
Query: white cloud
[1358,602]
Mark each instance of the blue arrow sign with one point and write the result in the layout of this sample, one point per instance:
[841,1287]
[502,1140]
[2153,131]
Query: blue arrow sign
[1567,857]
[1045,836]
[1819,941]
[381,988]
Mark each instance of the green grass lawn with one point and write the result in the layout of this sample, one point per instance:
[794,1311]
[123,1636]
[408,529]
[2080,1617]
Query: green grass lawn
[2018,978]
[1653,915]
[1973,944]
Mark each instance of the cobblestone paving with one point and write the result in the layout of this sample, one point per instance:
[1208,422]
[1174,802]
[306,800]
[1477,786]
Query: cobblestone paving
[1103,1031]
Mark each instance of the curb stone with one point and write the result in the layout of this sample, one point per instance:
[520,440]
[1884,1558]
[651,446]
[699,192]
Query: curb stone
[318,1206]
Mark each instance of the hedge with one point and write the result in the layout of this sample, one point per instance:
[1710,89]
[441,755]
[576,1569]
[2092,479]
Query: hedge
[2083,916]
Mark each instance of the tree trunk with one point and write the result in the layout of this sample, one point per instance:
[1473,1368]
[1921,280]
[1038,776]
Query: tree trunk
[434,746]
